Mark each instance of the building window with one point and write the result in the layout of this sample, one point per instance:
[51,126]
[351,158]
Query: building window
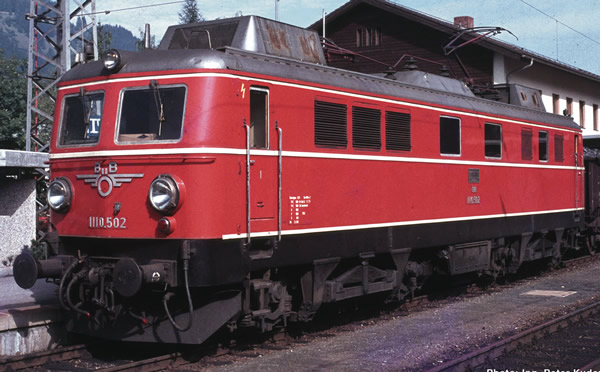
[582,114]
[397,131]
[376,35]
[556,104]
[543,145]
[449,136]
[595,117]
[526,144]
[366,128]
[493,140]
[559,148]
[569,106]
[368,37]
[359,37]
[330,124]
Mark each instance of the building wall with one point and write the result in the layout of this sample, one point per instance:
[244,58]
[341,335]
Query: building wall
[555,82]
[17,217]
[396,38]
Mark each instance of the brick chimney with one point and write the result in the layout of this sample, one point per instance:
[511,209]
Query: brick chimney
[464,22]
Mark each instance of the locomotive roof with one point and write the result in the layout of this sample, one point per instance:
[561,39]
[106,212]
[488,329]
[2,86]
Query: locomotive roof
[251,33]
[414,85]
[424,87]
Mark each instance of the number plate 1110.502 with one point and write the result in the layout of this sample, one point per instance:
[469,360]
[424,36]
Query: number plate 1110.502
[107,222]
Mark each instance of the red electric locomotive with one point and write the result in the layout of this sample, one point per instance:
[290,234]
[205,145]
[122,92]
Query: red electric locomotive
[230,178]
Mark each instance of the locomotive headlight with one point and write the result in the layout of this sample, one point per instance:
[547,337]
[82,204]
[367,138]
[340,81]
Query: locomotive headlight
[60,194]
[164,193]
[112,59]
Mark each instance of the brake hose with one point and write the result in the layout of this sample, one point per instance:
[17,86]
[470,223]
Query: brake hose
[167,296]
[62,284]
[76,308]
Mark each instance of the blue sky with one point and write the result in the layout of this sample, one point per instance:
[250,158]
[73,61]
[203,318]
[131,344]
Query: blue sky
[535,31]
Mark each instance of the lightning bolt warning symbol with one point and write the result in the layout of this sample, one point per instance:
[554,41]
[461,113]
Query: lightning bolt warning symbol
[243,90]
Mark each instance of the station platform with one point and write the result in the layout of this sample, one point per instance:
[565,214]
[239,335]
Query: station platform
[30,320]
[430,337]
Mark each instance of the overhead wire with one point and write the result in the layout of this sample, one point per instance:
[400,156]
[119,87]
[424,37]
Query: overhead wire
[562,23]
[132,8]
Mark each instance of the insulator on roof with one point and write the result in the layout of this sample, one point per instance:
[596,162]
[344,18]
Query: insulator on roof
[410,65]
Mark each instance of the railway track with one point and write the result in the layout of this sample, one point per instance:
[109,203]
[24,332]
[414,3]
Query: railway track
[33,360]
[78,357]
[570,342]
[85,356]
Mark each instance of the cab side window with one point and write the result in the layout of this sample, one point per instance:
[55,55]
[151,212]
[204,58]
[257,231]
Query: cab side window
[259,118]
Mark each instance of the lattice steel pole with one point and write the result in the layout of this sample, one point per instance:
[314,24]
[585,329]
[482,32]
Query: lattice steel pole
[52,50]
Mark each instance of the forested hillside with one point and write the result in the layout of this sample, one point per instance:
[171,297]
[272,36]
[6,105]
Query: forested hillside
[14,30]
[14,37]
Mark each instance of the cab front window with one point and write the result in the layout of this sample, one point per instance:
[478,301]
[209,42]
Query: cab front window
[153,113]
[82,119]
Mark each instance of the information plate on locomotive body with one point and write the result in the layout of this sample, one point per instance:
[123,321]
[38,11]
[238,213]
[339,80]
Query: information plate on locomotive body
[107,223]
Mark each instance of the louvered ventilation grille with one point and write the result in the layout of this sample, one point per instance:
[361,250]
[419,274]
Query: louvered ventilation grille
[330,125]
[526,144]
[366,128]
[397,131]
[558,148]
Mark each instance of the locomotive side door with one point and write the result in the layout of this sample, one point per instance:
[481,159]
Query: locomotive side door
[262,195]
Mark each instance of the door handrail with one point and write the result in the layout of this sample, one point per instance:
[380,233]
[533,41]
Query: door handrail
[279,182]
[248,216]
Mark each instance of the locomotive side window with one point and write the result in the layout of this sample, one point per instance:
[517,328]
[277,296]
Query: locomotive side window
[82,119]
[449,136]
[150,114]
[366,128]
[543,145]
[259,118]
[397,131]
[559,148]
[493,140]
[526,144]
[331,124]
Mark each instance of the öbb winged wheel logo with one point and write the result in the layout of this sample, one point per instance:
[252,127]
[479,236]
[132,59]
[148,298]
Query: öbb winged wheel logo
[105,178]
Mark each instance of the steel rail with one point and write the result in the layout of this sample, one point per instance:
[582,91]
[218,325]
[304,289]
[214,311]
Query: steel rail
[159,363]
[40,358]
[476,358]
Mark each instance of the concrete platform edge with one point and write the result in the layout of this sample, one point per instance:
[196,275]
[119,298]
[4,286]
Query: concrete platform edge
[6,271]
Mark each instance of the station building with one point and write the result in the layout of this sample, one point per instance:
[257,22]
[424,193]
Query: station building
[371,35]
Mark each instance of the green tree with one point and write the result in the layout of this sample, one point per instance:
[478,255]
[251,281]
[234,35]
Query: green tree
[190,13]
[104,39]
[13,102]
